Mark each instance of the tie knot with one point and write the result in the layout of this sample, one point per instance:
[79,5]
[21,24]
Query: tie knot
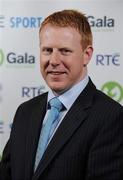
[55,102]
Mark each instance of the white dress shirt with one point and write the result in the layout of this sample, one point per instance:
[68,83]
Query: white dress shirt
[67,99]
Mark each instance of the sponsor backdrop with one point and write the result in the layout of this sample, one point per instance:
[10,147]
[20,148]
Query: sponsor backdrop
[20,78]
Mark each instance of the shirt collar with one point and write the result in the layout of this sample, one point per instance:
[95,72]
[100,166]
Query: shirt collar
[70,96]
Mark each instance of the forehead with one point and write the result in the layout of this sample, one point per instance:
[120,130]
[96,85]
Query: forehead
[50,33]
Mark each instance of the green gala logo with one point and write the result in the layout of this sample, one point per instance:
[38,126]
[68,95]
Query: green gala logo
[114,90]
[1,57]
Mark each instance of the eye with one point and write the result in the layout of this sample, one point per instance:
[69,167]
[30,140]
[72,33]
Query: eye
[65,51]
[46,50]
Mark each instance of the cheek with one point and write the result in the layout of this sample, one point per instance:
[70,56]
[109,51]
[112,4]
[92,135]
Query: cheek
[43,63]
[42,67]
[74,65]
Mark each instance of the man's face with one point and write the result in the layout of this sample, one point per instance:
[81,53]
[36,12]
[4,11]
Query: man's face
[62,58]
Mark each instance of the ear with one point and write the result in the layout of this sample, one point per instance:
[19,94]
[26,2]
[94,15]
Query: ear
[88,52]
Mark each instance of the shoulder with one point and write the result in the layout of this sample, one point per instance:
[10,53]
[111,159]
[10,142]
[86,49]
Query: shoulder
[106,109]
[34,102]
[100,102]
[106,101]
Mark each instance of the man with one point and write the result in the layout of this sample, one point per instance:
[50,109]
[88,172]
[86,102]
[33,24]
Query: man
[87,142]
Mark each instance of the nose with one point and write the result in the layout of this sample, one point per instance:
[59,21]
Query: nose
[55,58]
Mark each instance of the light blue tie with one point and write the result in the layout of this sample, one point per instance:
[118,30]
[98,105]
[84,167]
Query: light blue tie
[56,107]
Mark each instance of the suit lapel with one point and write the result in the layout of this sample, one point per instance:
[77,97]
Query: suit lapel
[71,122]
[36,117]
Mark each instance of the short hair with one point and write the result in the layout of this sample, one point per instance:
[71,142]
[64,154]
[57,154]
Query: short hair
[74,19]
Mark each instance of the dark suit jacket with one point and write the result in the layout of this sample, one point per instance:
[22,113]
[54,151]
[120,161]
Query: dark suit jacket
[88,144]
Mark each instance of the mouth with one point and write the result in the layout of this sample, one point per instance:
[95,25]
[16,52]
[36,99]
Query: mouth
[55,72]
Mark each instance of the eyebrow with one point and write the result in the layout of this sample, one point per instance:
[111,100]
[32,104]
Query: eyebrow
[61,48]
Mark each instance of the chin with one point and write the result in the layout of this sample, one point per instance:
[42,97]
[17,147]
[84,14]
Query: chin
[57,90]
[58,87]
